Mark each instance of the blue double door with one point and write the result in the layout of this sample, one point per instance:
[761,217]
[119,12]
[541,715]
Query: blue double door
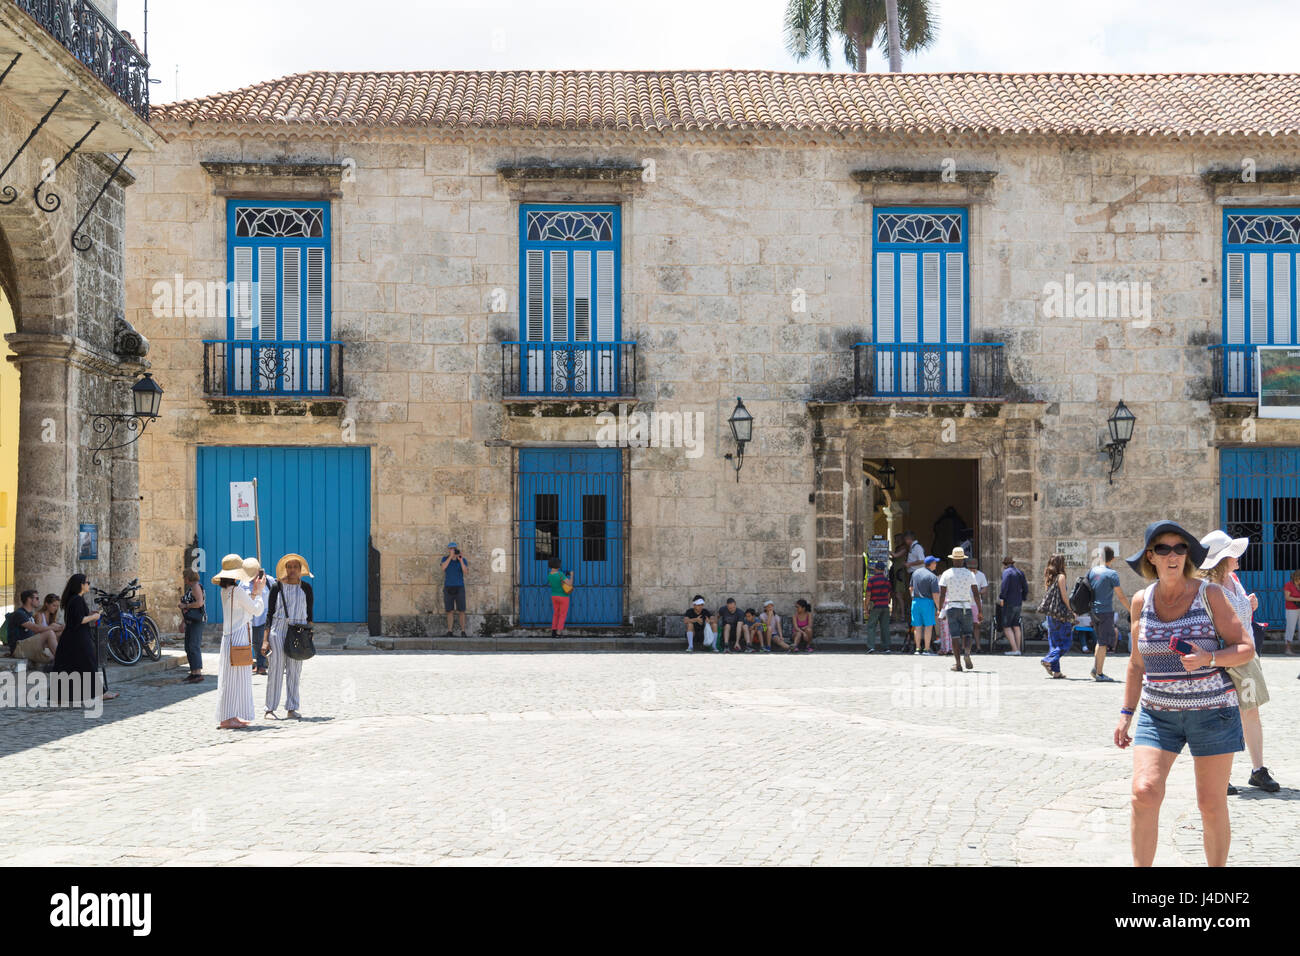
[313,501]
[570,505]
[1260,500]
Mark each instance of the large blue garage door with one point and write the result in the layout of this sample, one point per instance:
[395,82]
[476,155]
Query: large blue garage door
[315,501]
[570,506]
[1261,501]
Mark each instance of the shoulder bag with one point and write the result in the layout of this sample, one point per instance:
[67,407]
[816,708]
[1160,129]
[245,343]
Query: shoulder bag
[241,655]
[298,645]
[1247,678]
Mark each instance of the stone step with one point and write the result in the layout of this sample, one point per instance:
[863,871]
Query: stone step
[171,659]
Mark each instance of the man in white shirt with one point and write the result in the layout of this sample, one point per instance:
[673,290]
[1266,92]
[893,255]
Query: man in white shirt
[958,593]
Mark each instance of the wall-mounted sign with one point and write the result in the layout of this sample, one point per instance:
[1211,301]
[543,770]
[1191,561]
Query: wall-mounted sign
[1099,552]
[242,500]
[1075,551]
[1278,371]
[88,542]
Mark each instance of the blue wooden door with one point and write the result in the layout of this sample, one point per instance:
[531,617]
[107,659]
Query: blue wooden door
[315,501]
[1260,500]
[570,505]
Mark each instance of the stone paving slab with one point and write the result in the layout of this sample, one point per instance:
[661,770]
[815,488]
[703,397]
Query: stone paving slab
[458,759]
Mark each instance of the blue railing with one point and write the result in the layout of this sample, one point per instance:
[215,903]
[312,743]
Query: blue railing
[89,36]
[1234,371]
[568,369]
[939,370]
[233,367]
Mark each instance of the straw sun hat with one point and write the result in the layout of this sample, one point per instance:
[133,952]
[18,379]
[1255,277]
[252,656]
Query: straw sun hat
[235,568]
[291,556]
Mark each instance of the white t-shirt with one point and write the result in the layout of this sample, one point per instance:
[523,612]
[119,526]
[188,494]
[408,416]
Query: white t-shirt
[959,582]
[981,580]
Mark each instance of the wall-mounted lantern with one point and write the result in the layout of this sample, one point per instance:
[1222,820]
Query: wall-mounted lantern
[742,429]
[1121,432]
[146,397]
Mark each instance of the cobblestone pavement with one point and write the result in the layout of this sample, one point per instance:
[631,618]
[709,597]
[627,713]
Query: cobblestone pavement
[658,758]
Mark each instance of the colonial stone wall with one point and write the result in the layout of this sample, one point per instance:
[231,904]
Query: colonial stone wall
[66,305]
[716,249]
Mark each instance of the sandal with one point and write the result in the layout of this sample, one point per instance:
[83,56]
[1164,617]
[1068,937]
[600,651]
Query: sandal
[270,715]
[955,667]
[1058,676]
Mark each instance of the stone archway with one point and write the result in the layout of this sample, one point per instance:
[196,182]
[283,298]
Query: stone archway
[61,373]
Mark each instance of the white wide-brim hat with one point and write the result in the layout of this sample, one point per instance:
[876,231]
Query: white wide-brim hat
[1219,545]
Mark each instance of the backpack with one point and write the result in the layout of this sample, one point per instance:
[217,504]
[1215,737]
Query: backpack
[4,633]
[1081,596]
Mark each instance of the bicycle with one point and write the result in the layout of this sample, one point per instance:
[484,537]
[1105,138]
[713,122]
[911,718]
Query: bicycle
[135,618]
[121,642]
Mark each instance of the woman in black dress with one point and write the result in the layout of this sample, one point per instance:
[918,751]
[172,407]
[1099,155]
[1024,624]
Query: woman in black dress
[77,652]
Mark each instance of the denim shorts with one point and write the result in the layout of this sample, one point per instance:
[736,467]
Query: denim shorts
[961,622]
[1011,615]
[1206,732]
[923,613]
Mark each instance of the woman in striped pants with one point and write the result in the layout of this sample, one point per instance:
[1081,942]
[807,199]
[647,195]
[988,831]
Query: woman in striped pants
[238,608]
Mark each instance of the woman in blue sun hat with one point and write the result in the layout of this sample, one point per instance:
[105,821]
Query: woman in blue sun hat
[1176,674]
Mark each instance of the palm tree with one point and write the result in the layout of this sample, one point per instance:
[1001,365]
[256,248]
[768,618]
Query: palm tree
[813,26]
[891,26]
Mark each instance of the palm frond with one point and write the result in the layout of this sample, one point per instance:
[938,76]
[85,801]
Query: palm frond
[809,25]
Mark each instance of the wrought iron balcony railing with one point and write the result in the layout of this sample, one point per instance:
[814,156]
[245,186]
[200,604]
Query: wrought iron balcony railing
[568,369]
[89,36]
[266,368]
[915,370]
[1234,371]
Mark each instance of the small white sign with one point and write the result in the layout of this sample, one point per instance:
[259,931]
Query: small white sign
[241,501]
[1075,551]
[1099,552]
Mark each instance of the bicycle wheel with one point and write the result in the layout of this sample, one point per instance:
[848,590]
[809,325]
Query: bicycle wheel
[123,646]
[150,642]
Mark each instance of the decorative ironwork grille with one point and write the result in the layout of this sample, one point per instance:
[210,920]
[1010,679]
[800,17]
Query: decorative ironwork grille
[89,36]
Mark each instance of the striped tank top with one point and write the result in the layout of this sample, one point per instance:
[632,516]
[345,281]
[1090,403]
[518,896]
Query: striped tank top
[1165,684]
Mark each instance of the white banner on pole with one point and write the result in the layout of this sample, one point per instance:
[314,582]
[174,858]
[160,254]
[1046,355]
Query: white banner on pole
[241,501]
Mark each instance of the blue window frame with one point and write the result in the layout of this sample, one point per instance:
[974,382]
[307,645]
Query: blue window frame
[1260,247]
[570,316]
[278,269]
[920,269]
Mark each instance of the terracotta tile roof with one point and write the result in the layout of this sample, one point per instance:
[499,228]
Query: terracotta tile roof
[1178,104]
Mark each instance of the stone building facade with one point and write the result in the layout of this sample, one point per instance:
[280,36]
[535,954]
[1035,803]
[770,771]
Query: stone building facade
[1084,267]
[73,105]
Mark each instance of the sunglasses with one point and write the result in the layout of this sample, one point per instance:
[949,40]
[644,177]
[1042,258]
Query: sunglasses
[1164,550]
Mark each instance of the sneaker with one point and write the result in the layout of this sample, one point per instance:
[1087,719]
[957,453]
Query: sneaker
[463,634]
[1260,778]
[1010,653]
[1232,791]
[927,653]
[449,634]
[1093,673]
[1104,678]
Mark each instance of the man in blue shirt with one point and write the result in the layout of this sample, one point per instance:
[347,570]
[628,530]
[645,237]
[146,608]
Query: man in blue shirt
[453,567]
[259,630]
[925,604]
[1104,581]
[1012,592]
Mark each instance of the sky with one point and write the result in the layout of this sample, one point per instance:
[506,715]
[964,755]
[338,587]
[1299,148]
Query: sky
[200,48]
